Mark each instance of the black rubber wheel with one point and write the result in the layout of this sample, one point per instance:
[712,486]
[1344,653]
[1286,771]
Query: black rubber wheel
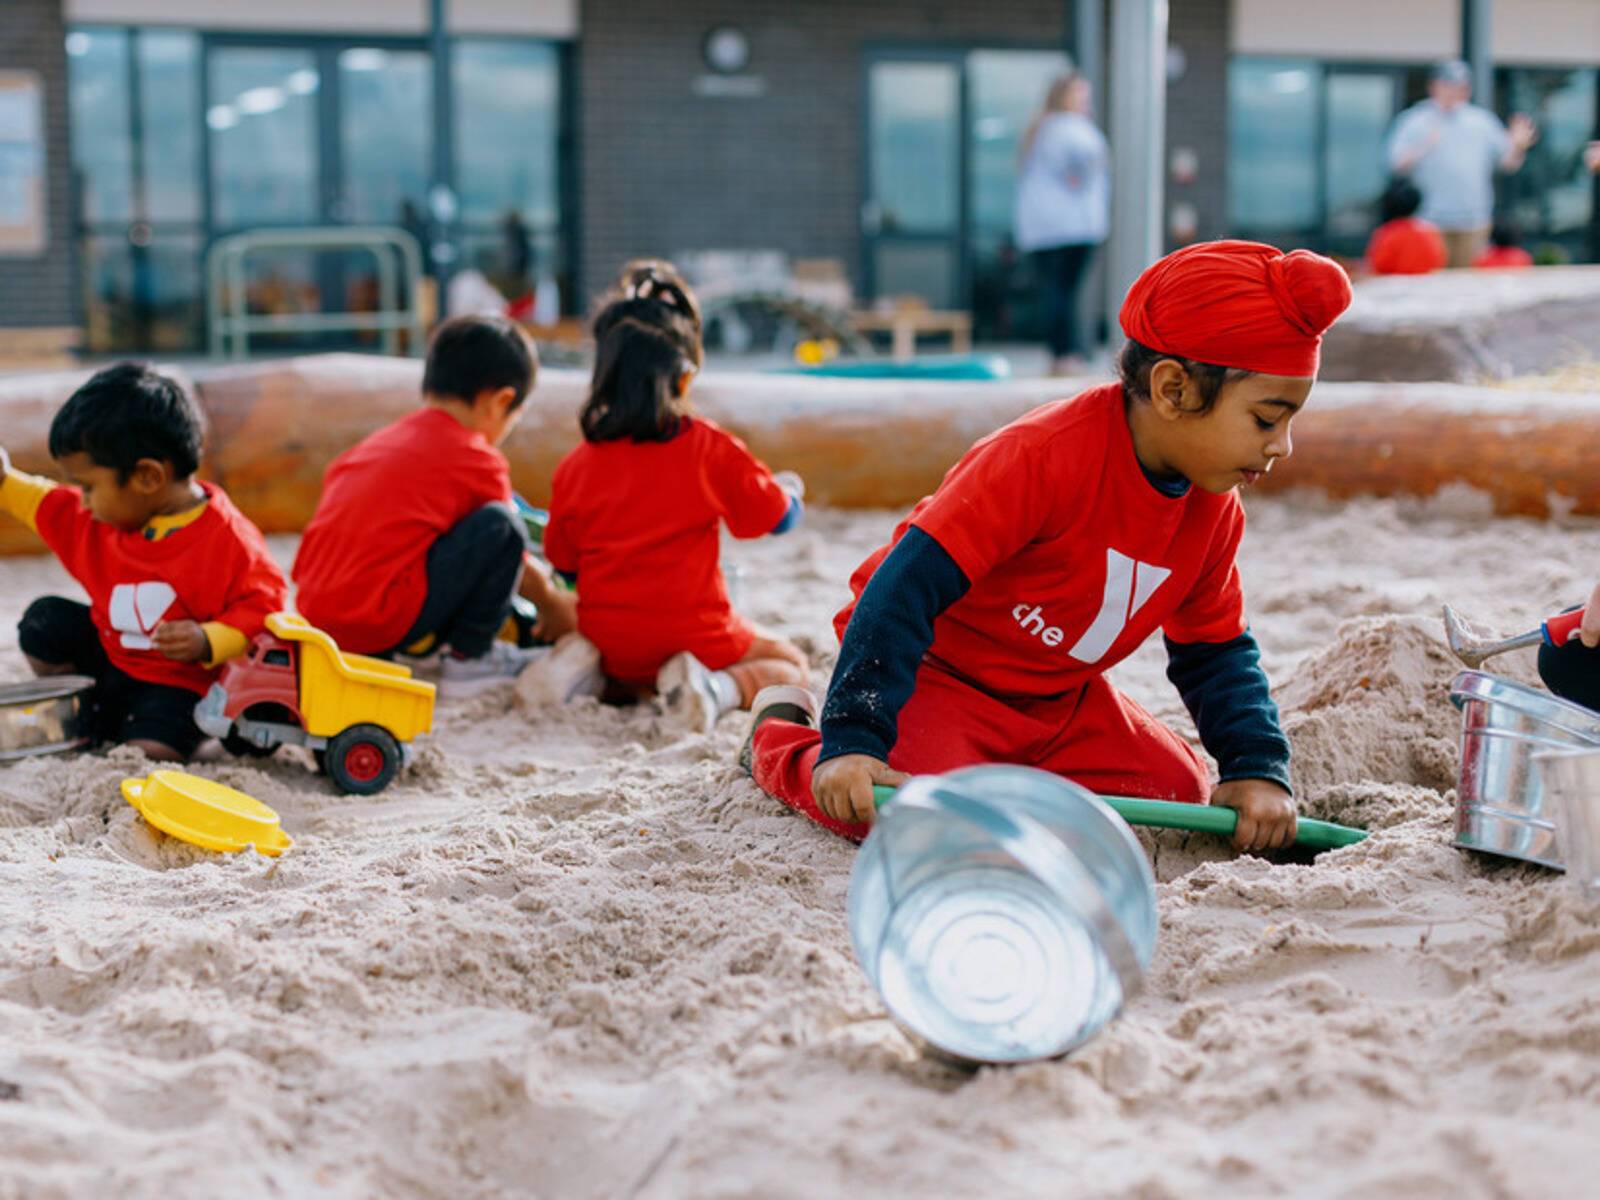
[241,747]
[244,748]
[362,760]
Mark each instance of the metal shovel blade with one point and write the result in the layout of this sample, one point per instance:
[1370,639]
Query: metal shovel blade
[1472,649]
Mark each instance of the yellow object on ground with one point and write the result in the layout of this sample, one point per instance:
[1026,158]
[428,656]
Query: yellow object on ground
[206,813]
[338,690]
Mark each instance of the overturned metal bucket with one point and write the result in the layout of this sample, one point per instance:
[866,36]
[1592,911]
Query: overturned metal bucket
[1501,804]
[1003,914]
[44,716]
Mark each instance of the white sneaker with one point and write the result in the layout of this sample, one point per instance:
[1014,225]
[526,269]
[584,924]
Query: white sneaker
[468,676]
[564,672]
[689,692]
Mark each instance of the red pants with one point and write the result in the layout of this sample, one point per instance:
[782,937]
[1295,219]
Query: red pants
[1095,736]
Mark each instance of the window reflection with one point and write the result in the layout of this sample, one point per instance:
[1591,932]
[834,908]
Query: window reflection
[508,121]
[916,145]
[1005,88]
[263,137]
[1552,197]
[386,132]
[102,136]
[1272,136]
[169,119]
[1360,110]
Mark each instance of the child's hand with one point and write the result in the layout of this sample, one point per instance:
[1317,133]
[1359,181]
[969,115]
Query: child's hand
[1589,631]
[1266,813]
[843,786]
[558,608]
[5,465]
[791,482]
[182,641]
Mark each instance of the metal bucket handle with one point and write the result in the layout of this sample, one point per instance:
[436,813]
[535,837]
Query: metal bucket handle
[1041,853]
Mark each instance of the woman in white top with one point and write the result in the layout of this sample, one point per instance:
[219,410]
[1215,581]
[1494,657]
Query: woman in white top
[1063,208]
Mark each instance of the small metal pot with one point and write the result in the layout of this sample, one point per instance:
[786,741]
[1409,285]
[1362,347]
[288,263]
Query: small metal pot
[44,716]
[1501,807]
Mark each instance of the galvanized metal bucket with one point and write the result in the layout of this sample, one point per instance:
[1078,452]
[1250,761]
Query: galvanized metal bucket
[1501,805]
[1004,914]
[44,716]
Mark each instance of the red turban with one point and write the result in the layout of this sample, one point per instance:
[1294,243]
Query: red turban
[1238,304]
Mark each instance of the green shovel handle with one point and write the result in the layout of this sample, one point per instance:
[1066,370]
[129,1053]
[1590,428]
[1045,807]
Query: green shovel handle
[1202,818]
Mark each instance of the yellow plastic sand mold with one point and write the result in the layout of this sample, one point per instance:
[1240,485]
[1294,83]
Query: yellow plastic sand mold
[206,813]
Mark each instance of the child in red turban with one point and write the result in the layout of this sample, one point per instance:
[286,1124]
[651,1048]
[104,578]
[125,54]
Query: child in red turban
[983,631]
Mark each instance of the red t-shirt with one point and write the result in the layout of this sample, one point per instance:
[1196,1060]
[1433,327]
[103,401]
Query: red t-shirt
[1073,554]
[637,522]
[1502,257]
[1406,246]
[361,571]
[216,568]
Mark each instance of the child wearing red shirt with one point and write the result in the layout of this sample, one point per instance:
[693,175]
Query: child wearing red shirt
[1404,244]
[178,580]
[415,542]
[635,514]
[982,632]
[1504,250]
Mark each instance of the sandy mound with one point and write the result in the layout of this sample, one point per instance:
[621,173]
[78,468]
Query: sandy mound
[1367,707]
[576,954]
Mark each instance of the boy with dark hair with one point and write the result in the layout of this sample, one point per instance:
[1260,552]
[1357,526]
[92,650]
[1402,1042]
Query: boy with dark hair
[178,581]
[415,543]
[1404,244]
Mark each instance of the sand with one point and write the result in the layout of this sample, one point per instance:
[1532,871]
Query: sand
[577,954]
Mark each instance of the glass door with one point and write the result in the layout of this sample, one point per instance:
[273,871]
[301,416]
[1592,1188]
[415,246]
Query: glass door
[328,133]
[1358,107]
[135,113]
[1004,89]
[942,134]
[913,216]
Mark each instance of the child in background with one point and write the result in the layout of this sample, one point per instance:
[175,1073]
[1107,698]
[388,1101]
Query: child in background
[1404,244]
[983,631]
[178,581]
[634,520]
[415,543]
[1504,250]
[1572,671]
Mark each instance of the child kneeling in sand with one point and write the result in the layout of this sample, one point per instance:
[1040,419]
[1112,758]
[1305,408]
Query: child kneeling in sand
[415,543]
[178,581]
[983,631]
[634,519]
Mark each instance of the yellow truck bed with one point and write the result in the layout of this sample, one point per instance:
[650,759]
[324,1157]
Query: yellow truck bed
[338,690]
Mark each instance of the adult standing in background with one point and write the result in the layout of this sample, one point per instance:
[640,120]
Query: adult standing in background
[1451,149]
[1063,209]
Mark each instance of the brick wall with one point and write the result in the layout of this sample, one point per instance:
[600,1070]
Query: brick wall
[1197,112]
[664,169]
[39,291]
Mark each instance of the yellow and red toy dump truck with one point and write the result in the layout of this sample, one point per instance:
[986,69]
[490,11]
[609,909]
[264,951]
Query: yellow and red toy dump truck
[295,687]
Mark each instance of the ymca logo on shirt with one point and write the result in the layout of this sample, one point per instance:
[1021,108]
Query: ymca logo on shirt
[137,608]
[1129,585]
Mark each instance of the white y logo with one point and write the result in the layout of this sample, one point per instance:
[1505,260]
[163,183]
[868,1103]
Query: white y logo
[136,609]
[1128,585]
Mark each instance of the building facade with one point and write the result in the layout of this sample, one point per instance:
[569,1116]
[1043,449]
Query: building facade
[549,140]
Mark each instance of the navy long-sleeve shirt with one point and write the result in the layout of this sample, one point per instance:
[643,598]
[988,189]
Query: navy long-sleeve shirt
[1222,684]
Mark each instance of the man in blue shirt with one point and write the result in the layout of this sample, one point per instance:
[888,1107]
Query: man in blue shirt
[1451,149]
